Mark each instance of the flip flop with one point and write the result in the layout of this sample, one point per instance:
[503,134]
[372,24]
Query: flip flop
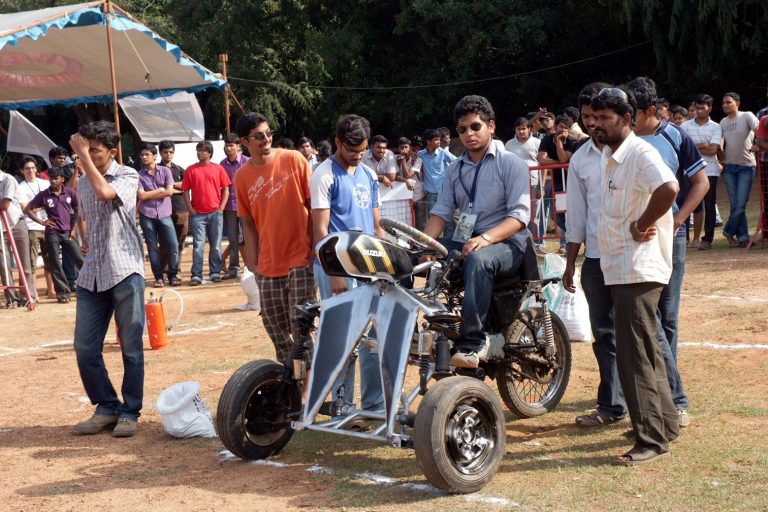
[639,456]
[732,242]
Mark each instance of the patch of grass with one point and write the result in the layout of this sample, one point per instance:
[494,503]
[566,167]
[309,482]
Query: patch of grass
[751,412]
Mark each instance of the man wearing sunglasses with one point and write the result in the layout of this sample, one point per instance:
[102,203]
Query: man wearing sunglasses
[491,190]
[273,202]
[635,238]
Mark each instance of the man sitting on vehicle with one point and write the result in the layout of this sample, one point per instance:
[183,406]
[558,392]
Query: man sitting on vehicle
[490,188]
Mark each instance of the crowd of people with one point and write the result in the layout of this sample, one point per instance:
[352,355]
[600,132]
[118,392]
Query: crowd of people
[632,181]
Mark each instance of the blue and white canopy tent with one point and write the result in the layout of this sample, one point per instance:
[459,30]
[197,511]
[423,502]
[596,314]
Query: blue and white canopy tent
[90,52]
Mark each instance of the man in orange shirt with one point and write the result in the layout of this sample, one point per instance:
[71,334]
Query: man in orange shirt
[272,190]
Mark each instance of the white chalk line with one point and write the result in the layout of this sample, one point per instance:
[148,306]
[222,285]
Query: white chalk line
[720,346]
[725,297]
[382,480]
[11,351]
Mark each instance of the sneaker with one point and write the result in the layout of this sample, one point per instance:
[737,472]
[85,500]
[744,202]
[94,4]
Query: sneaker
[195,281]
[248,307]
[597,419]
[159,283]
[215,278]
[465,358]
[95,424]
[705,246]
[125,427]
[684,419]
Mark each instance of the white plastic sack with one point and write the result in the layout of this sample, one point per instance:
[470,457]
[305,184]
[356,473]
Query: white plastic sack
[251,291]
[554,266]
[183,411]
[573,310]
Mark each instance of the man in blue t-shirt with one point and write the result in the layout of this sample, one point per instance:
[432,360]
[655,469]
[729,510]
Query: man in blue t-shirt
[682,156]
[435,161]
[345,195]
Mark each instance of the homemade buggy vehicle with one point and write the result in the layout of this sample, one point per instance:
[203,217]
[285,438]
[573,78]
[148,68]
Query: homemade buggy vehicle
[457,429]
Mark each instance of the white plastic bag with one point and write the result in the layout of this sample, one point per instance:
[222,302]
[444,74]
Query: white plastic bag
[183,411]
[251,291]
[573,310]
[554,266]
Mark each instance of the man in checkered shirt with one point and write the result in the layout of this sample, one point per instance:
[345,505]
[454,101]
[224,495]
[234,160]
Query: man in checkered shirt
[110,281]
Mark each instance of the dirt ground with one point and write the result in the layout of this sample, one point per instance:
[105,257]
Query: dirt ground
[45,467]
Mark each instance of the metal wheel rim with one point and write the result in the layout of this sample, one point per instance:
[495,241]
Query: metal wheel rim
[260,408]
[470,435]
[530,391]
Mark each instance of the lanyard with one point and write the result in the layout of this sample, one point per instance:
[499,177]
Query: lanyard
[470,194]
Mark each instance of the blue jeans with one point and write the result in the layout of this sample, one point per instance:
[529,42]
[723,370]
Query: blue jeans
[738,182]
[94,312]
[165,229]
[479,270]
[206,225]
[610,398]
[667,316]
[372,398]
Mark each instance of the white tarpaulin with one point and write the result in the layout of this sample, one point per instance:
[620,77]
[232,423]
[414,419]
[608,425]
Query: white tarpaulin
[24,137]
[177,117]
[60,55]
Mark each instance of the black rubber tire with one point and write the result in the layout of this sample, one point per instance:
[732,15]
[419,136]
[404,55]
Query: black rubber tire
[449,404]
[395,228]
[246,402]
[510,387]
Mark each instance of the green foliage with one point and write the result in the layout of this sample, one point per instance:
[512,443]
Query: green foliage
[404,63]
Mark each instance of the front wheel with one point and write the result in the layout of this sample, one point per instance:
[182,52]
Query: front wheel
[531,385]
[254,408]
[459,434]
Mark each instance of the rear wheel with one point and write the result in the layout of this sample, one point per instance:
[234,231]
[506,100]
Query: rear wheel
[459,434]
[532,385]
[254,408]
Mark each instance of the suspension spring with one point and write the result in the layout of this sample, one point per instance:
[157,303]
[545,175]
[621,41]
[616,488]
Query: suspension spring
[549,335]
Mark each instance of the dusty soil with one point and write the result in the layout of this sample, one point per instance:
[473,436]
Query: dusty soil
[46,468]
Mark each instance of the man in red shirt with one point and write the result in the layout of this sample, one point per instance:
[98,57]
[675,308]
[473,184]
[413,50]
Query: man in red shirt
[206,190]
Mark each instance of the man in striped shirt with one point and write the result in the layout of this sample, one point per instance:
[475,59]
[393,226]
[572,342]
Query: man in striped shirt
[635,238]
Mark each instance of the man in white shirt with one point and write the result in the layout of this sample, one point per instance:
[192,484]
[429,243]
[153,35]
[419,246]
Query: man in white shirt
[524,145]
[381,160]
[635,237]
[706,134]
[10,206]
[739,166]
[584,197]
[26,191]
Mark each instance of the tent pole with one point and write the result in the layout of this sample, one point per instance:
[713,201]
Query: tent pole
[107,11]
[224,58]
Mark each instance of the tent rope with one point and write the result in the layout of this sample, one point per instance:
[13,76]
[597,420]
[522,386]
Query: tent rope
[148,80]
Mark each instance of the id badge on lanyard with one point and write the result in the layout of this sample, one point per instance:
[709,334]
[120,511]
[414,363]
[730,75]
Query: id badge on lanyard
[466,223]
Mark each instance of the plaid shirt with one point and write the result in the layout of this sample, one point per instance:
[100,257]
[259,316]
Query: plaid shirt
[115,248]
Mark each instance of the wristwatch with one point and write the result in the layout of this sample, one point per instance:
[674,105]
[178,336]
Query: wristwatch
[487,238]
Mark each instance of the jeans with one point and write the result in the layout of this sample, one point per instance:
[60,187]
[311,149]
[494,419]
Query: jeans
[206,225]
[370,371]
[233,237]
[164,228]
[94,312]
[61,243]
[181,226]
[738,182]
[710,213]
[479,270]
[667,328]
[610,398]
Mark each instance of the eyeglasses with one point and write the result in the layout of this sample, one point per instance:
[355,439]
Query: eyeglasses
[615,92]
[260,137]
[352,151]
[475,127]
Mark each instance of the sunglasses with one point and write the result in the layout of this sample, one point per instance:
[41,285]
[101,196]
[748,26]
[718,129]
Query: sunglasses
[475,127]
[260,136]
[613,91]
